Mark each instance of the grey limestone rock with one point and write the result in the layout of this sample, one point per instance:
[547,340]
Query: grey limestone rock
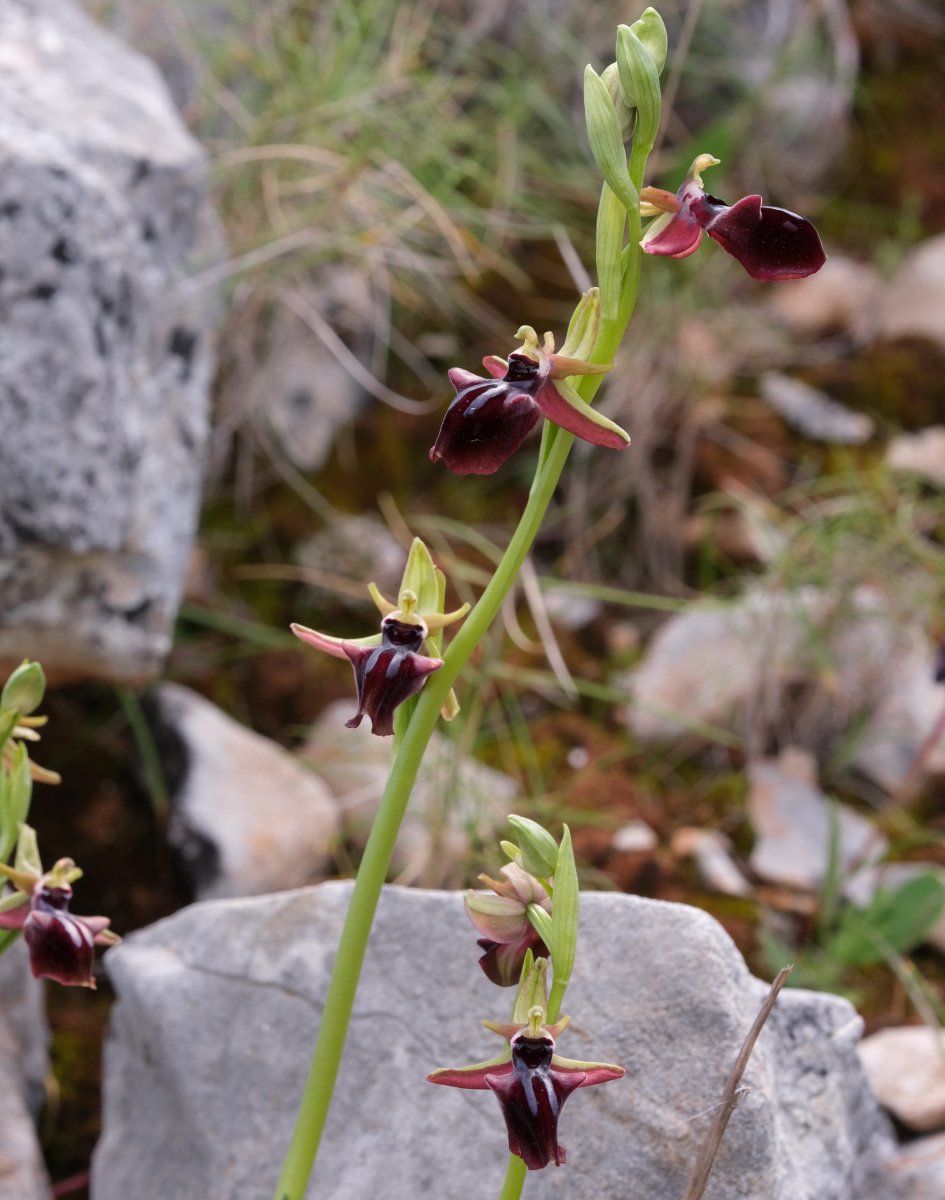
[246,816]
[24,1063]
[217,1007]
[104,357]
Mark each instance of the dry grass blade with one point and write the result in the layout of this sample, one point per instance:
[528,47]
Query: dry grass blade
[710,1147]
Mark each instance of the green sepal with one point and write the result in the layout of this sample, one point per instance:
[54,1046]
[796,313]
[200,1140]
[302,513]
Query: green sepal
[538,849]
[542,923]
[8,718]
[532,990]
[449,709]
[511,851]
[16,788]
[421,577]
[640,82]
[565,912]
[27,860]
[611,227]
[583,328]
[13,900]
[606,138]
[591,414]
[24,690]
[651,31]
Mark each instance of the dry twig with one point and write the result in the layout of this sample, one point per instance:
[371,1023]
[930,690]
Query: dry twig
[710,1147]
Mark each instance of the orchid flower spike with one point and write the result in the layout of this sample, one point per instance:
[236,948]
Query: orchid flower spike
[389,667]
[771,243]
[531,1082]
[490,417]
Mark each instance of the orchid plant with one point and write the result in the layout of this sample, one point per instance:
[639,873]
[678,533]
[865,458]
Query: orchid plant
[405,677]
[35,902]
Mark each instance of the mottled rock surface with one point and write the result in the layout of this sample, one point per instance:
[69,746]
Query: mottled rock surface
[246,816]
[217,1006]
[104,358]
[23,1066]
[743,665]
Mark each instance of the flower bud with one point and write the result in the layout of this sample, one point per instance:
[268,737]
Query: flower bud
[539,850]
[23,692]
[606,137]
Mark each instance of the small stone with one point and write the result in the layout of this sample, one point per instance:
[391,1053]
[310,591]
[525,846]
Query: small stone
[813,413]
[842,296]
[913,302]
[301,391]
[712,852]
[246,817]
[636,837]
[921,454]
[791,818]
[906,1070]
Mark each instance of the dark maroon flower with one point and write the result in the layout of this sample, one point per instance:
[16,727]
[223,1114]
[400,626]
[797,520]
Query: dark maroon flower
[938,673]
[491,417]
[771,243]
[61,944]
[388,667]
[388,674]
[531,1084]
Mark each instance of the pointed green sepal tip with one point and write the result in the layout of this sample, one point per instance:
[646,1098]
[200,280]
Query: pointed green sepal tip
[23,692]
[565,910]
[651,31]
[584,327]
[640,83]
[539,850]
[512,852]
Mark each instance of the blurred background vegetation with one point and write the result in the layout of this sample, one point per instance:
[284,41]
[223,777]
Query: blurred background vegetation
[401,184]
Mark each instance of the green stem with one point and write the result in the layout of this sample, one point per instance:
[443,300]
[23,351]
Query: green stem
[372,872]
[408,755]
[515,1176]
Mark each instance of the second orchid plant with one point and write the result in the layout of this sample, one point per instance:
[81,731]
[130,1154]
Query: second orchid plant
[404,676]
